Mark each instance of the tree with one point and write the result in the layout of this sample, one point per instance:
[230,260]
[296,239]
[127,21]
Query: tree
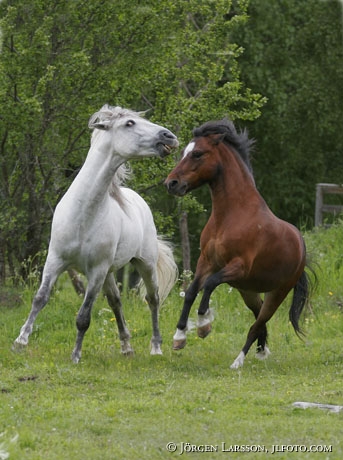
[294,56]
[60,61]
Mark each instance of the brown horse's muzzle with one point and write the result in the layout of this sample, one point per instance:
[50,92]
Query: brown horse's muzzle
[175,186]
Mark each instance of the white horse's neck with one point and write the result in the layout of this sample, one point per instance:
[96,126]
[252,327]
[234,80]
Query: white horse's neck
[92,183]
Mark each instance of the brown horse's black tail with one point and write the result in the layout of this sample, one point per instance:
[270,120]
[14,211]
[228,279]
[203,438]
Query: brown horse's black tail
[301,295]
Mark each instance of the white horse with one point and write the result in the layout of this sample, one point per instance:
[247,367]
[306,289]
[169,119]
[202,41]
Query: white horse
[98,226]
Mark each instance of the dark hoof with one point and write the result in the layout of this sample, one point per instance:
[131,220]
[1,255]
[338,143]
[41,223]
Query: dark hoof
[203,331]
[179,344]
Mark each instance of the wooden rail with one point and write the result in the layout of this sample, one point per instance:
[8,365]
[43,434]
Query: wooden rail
[321,207]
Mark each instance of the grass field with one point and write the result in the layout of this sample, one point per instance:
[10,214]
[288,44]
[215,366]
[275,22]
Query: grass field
[110,407]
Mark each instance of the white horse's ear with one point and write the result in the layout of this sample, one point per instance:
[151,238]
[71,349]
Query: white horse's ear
[105,117]
[104,125]
[99,122]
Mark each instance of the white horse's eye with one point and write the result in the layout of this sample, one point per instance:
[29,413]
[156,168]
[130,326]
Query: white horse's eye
[130,123]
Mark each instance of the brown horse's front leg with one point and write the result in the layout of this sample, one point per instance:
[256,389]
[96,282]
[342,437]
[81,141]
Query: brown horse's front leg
[205,315]
[205,323]
[231,272]
[179,339]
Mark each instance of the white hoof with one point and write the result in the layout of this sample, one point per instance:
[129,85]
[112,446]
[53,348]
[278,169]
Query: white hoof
[75,357]
[126,348]
[263,354]
[238,362]
[19,344]
[155,350]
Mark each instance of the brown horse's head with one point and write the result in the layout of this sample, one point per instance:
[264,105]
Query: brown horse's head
[198,165]
[202,159]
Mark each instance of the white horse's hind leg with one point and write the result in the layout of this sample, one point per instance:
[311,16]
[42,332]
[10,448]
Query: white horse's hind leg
[156,339]
[149,276]
[84,318]
[40,300]
[113,298]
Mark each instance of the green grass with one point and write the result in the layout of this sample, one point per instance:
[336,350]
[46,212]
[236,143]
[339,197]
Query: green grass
[110,407]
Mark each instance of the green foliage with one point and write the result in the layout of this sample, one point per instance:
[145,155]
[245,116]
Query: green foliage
[61,61]
[294,56]
[110,407]
[185,62]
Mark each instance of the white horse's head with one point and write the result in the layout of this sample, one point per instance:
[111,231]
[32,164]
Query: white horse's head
[129,135]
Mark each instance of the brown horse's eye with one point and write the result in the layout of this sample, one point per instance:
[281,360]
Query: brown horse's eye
[197,154]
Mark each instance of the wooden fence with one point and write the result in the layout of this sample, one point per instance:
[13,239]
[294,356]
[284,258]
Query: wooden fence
[321,207]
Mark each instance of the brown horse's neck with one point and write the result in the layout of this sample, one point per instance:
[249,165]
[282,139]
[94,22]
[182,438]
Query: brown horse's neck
[234,185]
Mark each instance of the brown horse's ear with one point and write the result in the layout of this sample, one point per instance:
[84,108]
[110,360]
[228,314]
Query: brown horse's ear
[218,138]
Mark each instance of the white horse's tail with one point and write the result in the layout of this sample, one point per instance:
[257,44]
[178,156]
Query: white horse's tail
[167,271]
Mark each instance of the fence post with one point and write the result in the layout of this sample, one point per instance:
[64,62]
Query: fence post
[321,189]
[318,218]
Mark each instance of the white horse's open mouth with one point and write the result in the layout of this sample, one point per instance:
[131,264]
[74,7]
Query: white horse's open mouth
[165,149]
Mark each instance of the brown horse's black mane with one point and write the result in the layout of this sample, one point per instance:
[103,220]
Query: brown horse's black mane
[229,135]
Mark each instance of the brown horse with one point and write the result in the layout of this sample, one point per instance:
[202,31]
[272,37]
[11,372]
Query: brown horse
[243,243]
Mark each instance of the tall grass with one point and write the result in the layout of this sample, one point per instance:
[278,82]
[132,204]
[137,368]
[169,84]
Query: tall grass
[109,407]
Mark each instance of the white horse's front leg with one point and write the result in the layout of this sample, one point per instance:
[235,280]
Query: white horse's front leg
[23,338]
[39,301]
[155,348]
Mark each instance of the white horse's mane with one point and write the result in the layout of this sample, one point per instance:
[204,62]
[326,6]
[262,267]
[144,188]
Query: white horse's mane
[119,178]
[110,114]
[109,111]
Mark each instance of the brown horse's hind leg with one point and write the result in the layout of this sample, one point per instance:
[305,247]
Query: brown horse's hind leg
[254,302]
[272,301]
